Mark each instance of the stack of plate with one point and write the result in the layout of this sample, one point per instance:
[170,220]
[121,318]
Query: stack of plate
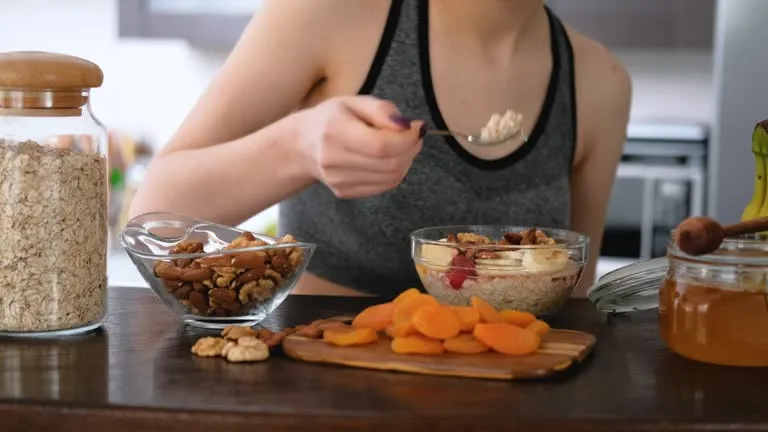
[631,288]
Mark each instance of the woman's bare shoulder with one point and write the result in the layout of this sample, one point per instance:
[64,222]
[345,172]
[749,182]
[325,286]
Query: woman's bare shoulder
[603,93]
[600,76]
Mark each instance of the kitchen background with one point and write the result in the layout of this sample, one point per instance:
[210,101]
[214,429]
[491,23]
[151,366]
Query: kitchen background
[696,67]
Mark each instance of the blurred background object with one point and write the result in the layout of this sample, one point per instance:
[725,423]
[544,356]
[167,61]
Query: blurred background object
[128,158]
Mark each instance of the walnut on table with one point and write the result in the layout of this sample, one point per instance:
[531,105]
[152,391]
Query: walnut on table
[246,344]
[244,349]
[237,332]
[209,346]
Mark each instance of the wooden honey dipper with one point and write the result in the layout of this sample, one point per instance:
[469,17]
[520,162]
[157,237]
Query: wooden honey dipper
[701,235]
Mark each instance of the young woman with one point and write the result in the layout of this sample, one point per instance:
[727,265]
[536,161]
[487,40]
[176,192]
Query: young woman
[311,110]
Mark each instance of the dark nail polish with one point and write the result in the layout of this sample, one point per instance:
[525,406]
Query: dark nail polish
[423,130]
[401,120]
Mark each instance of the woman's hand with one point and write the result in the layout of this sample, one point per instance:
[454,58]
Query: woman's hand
[359,146]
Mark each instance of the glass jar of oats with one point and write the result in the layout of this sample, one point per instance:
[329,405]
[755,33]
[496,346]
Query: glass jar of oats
[53,196]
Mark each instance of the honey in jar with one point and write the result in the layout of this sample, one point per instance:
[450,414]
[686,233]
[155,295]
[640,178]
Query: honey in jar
[714,308]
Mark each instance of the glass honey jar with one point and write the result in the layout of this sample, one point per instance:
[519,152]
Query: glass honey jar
[711,308]
[714,308]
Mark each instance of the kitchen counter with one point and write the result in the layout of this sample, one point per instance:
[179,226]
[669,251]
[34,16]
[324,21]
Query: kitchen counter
[138,374]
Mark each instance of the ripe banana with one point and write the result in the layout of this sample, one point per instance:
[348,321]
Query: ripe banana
[758,205]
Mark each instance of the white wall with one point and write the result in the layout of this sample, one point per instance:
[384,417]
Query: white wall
[148,85]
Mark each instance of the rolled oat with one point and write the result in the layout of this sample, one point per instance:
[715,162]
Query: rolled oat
[53,237]
[500,126]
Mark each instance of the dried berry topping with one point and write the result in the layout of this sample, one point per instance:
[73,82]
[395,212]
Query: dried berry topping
[462,268]
[462,262]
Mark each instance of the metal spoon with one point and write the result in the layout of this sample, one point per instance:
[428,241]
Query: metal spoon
[477,139]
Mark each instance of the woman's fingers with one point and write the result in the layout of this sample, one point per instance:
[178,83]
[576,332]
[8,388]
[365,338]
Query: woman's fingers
[377,113]
[374,135]
[353,161]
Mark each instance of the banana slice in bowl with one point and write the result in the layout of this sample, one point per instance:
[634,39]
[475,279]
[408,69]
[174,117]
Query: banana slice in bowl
[498,267]
[545,260]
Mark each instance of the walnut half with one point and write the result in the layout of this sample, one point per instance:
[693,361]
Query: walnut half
[209,346]
[248,349]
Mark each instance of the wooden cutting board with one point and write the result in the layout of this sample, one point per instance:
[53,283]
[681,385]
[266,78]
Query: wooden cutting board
[560,350]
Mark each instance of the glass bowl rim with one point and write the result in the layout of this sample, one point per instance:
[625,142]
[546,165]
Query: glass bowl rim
[582,240]
[746,243]
[268,247]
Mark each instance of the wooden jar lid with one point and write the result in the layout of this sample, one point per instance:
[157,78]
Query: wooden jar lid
[34,70]
[34,83]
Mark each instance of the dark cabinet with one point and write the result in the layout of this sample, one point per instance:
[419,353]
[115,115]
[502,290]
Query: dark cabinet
[642,24]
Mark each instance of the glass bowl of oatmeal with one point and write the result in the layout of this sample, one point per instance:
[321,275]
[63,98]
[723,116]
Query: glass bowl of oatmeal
[214,275]
[522,268]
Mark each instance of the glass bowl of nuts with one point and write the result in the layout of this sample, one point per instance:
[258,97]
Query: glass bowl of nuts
[521,268]
[214,275]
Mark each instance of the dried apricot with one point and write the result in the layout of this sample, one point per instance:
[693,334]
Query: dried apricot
[410,292]
[377,317]
[464,344]
[539,326]
[408,306]
[400,329]
[488,313]
[331,324]
[436,322]
[467,315]
[416,344]
[351,336]
[518,318]
[507,338]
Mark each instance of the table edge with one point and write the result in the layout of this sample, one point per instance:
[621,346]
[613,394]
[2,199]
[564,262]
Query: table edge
[35,416]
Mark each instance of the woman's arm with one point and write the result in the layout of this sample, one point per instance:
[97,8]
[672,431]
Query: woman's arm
[604,93]
[234,156]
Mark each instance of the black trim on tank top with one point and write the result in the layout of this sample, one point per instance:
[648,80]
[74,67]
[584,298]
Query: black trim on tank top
[571,90]
[383,49]
[434,109]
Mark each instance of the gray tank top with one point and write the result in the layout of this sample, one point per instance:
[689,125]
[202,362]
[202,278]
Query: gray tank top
[365,243]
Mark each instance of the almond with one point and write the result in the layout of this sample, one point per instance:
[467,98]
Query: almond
[224,298]
[196,275]
[182,292]
[216,261]
[198,302]
[281,265]
[251,275]
[171,284]
[249,260]
[168,272]
[181,263]
[276,339]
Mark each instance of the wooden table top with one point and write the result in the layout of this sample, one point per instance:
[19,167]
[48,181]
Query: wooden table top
[138,375]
